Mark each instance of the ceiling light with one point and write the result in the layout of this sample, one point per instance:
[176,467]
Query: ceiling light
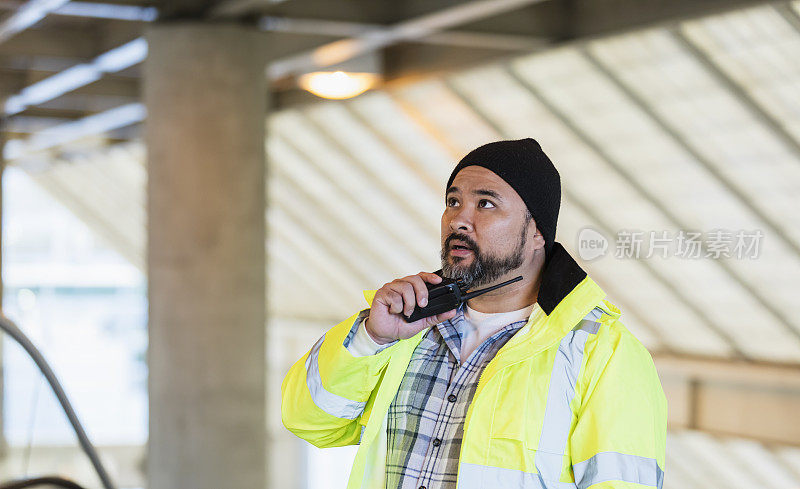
[337,84]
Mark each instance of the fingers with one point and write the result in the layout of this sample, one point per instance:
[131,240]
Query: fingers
[441,317]
[390,298]
[429,277]
[420,290]
[406,291]
[403,294]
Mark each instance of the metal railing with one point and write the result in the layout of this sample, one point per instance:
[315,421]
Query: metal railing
[10,328]
[41,482]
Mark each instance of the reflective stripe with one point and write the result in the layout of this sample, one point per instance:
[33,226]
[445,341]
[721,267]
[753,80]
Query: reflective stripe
[473,476]
[333,404]
[557,414]
[595,314]
[606,466]
[589,323]
[590,327]
[613,466]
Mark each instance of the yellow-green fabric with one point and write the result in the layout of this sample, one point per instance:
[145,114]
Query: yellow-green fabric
[571,401]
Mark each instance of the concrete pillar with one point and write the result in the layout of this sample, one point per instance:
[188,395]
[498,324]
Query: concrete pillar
[3,442]
[205,91]
[6,90]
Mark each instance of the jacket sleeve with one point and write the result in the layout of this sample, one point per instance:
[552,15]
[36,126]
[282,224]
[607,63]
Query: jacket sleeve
[325,394]
[619,440]
[359,343]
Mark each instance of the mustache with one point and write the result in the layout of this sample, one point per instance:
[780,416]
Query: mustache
[469,243]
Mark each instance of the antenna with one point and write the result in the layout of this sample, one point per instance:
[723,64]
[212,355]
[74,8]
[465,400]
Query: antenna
[476,293]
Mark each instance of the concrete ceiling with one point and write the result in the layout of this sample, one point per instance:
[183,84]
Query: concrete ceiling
[80,31]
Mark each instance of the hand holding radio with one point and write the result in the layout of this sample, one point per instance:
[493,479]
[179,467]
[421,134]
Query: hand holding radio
[396,301]
[406,306]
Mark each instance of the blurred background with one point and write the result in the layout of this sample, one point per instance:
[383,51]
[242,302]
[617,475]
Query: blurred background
[194,191]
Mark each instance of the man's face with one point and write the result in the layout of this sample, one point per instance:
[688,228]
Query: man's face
[486,233]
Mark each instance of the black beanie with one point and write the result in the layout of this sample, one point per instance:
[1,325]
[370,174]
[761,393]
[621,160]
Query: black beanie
[524,166]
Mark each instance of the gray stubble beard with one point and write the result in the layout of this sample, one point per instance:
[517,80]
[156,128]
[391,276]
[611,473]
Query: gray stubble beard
[484,269]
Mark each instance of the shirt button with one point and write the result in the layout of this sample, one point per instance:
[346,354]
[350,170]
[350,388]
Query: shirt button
[437,442]
[451,398]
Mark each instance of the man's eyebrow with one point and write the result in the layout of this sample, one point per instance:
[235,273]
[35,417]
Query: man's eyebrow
[490,193]
[480,191]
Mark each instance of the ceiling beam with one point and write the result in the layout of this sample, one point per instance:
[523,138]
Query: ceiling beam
[337,28]
[96,10]
[308,26]
[133,52]
[238,8]
[601,18]
[29,124]
[26,15]
[78,76]
[108,86]
[64,114]
[28,150]
[432,28]
[108,11]
[425,25]
[76,44]
[755,400]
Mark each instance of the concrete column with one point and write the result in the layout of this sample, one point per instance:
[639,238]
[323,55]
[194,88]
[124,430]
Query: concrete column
[3,442]
[205,91]
[6,89]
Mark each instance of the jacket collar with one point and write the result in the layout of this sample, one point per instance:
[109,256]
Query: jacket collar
[560,277]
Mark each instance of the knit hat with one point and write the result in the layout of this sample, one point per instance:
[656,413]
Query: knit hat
[524,166]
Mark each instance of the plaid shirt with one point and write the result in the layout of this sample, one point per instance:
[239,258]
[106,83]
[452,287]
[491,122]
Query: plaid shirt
[426,418]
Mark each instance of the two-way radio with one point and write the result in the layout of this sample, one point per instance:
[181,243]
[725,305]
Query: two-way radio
[448,295]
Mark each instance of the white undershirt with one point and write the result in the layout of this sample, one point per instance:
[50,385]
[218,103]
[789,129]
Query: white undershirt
[481,325]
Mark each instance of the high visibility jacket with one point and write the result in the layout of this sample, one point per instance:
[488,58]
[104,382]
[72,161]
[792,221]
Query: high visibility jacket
[572,400]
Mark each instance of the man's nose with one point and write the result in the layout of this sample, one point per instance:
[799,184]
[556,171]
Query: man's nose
[462,220]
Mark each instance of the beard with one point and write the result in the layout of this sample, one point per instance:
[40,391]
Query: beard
[484,268]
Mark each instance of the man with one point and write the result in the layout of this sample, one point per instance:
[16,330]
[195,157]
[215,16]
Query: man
[534,385]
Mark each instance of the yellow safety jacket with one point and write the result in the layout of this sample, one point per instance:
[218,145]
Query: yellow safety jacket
[572,400]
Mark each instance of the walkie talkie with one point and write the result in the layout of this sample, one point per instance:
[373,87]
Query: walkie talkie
[448,295]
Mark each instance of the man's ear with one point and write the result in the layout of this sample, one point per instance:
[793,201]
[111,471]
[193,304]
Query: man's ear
[538,240]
